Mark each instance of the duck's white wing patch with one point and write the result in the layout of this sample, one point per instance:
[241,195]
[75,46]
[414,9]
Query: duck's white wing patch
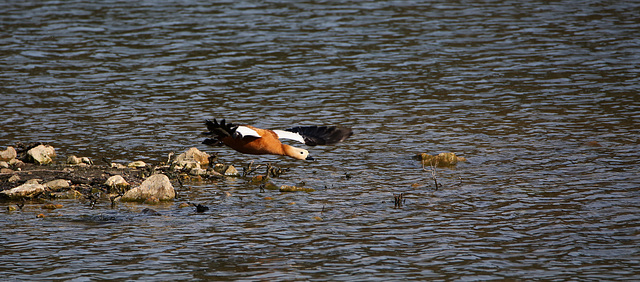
[289,135]
[244,131]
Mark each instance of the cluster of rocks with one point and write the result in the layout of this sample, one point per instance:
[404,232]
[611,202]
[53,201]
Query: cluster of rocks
[41,154]
[77,178]
[30,172]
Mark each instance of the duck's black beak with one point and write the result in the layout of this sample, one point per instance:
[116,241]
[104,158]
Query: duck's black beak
[309,158]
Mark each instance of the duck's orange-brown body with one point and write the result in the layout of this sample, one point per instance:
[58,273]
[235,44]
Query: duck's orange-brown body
[251,140]
[267,144]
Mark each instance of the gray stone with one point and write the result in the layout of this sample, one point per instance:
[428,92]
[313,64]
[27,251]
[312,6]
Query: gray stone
[42,154]
[157,186]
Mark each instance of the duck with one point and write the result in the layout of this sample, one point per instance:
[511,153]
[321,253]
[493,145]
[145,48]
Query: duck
[248,139]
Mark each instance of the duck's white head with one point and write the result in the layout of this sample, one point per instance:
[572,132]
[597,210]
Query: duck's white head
[300,154]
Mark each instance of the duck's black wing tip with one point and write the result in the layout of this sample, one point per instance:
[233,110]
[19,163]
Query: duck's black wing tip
[322,135]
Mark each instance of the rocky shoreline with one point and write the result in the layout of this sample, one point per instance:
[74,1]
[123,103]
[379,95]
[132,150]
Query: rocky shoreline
[28,172]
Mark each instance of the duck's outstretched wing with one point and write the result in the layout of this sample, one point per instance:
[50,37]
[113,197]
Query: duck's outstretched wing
[316,135]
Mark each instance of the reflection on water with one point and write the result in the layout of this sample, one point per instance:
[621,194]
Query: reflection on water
[519,89]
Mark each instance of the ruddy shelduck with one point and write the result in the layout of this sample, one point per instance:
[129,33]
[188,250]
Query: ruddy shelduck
[251,140]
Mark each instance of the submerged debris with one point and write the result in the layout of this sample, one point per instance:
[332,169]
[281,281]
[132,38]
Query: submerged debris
[440,160]
[150,212]
[287,188]
[398,200]
[52,206]
[199,207]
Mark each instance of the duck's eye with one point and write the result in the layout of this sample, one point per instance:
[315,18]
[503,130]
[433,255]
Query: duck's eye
[301,153]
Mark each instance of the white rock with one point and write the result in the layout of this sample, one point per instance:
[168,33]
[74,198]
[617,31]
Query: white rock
[193,154]
[118,166]
[42,154]
[115,181]
[24,191]
[137,164]
[157,185]
[57,184]
[8,154]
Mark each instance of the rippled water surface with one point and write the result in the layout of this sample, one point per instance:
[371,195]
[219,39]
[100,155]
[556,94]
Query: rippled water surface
[541,97]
